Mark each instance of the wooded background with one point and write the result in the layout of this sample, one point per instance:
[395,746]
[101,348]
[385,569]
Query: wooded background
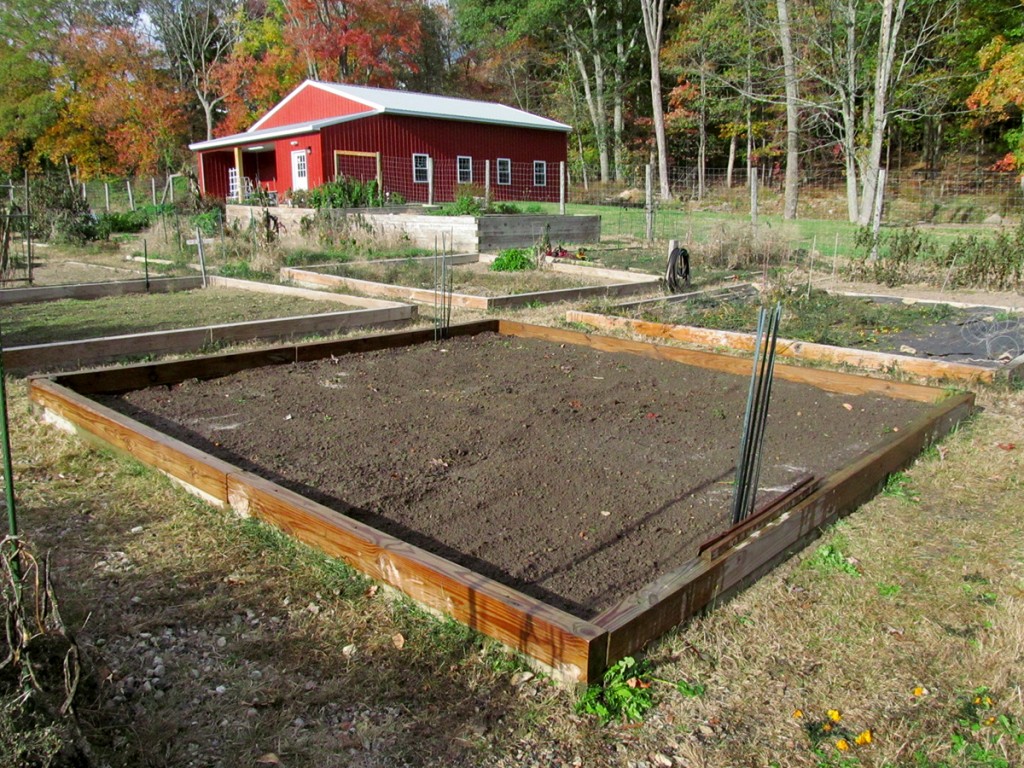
[805,92]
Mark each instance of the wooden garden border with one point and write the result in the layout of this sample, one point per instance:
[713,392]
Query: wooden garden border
[804,350]
[574,650]
[631,283]
[373,312]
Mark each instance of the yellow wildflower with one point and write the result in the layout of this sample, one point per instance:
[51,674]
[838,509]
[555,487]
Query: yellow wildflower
[864,737]
[834,716]
[990,721]
[798,713]
[826,727]
[842,745]
[920,691]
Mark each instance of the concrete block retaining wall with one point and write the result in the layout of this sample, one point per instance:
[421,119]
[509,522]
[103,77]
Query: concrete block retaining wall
[460,233]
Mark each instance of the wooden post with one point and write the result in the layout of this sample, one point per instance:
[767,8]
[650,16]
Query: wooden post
[430,180]
[28,225]
[561,188]
[754,181]
[131,197]
[486,183]
[152,186]
[649,201]
[170,183]
[85,194]
[202,254]
[106,196]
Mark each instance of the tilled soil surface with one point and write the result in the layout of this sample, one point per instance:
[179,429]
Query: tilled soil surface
[574,475]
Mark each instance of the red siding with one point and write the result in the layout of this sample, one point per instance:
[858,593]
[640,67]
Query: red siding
[283,149]
[313,103]
[215,165]
[397,138]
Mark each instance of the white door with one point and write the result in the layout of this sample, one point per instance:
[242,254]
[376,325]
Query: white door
[300,177]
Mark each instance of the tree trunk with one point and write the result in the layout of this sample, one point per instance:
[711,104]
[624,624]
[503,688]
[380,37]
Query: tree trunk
[892,19]
[702,138]
[653,12]
[849,116]
[731,166]
[623,48]
[792,125]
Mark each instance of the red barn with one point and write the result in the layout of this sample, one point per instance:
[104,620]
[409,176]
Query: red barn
[416,145]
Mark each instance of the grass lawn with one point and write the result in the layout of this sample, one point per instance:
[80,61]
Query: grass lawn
[73,319]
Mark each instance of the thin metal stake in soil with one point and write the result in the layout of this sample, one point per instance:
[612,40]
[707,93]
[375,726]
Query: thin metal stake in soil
[12,515]
[748,467]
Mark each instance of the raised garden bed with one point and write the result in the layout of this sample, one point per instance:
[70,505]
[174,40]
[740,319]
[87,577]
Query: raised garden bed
[475,286]
[98,340]
[560,492]
[925,338]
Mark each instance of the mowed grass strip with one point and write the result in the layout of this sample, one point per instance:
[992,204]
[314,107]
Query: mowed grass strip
[74,319]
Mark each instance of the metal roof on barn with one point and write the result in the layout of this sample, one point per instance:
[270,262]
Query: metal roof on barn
[365,102]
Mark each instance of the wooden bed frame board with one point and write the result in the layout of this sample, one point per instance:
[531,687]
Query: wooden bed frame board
[40,357]
[804,350]
[573,650]
[632,283]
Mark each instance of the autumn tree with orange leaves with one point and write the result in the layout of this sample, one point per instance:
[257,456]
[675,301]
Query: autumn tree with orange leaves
[120,113]
[362,42]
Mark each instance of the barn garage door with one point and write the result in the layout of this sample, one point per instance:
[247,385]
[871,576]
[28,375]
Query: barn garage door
[364,166]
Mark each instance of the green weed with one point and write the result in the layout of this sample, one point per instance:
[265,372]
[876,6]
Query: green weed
[625,692]
[897,486]
[514,260]
[829,558]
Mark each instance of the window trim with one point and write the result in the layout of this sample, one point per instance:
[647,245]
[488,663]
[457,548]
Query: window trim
[508,165]
[458,169]
[541,165]
[425,169]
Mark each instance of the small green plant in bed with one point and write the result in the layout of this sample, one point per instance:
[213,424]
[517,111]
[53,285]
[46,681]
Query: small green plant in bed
[514,260]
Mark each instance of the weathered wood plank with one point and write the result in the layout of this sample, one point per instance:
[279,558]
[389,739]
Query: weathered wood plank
[465,300]
[744,342]
[199,472]
[366,302]
[768,511]
[34,294]
[570,646]
[38,357]
[677,596]
[830,381]
[141,375]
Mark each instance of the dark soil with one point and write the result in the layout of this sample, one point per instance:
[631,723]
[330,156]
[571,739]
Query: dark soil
[573,475]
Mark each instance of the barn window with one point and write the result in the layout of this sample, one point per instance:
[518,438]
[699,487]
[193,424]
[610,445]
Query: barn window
[420,173]
[540,173]
[504,171]
[465,165]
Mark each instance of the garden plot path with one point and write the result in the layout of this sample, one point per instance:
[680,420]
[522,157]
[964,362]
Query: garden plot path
[573,475]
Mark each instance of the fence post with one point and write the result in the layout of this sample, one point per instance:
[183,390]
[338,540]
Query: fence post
[561,188]
[649,201]
[131,198]
[106,196]
[487,183]
[430,180]
[152,186]
[753,197]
